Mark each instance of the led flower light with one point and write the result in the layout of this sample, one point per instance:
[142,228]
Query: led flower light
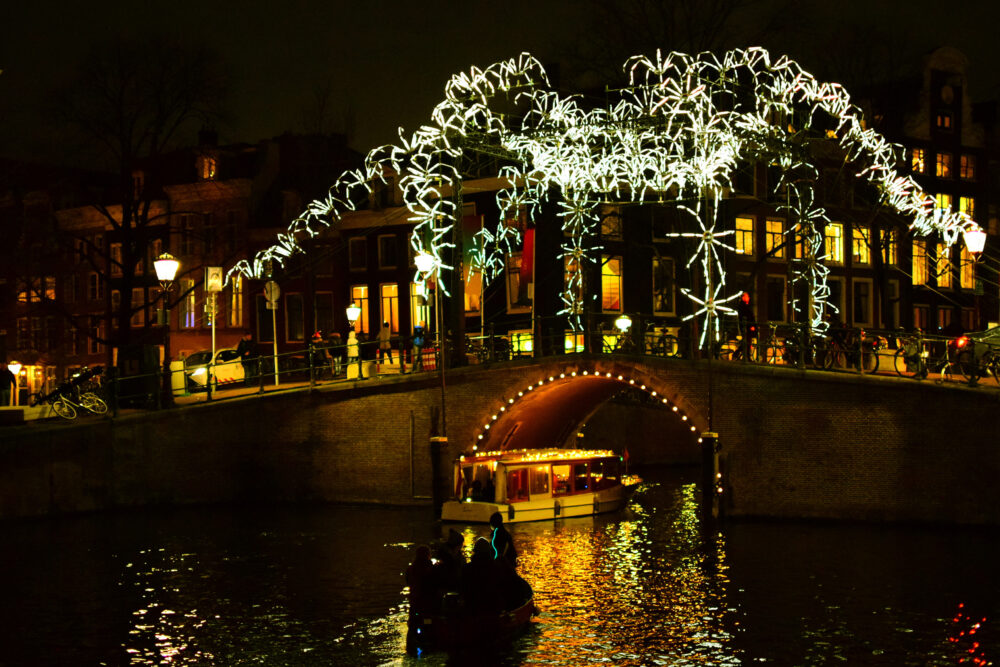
[677,133]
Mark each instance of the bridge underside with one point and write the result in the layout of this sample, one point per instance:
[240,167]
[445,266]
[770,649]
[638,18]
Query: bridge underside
[547,416]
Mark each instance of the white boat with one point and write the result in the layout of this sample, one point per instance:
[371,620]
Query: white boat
[537,484]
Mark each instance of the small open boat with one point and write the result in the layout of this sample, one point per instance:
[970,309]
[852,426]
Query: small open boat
[537,484]
[452,629]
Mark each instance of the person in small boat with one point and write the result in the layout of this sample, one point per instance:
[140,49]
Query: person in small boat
[450,561]
[483,581]
[420,579]
[502,542]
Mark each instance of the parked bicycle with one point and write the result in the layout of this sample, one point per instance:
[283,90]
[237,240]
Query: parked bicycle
[661,344]
[914,355]
[846,351]
[68,397]
[977,359]
[786,350]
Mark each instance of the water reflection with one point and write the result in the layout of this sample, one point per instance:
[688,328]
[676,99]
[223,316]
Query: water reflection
[645,586]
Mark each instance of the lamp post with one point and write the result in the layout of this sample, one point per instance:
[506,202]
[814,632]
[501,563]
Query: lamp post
[353,313]
[15,368]
[429,266]
[623,322]
[975,242]
[166,266]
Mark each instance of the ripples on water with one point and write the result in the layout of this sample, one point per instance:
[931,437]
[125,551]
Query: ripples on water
[647,586]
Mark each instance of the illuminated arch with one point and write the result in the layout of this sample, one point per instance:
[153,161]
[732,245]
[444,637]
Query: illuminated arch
[567,380]
[678,132]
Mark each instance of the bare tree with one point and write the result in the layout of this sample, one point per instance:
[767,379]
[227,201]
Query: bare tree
[130,102]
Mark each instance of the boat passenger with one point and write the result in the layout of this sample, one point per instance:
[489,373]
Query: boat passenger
[483,590]
[502,542]
[419,577]
[450,560]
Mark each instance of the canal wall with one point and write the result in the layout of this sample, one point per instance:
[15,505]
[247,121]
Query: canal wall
[794,444]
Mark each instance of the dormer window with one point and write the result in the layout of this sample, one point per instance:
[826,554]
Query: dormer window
[207,165]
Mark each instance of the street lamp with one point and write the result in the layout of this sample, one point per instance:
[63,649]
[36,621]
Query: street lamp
[353,313]
[429,266]
[623,323]
[975,240]
[166,266]
[15,368]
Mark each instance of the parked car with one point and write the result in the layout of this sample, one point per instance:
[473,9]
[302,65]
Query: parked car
[226,369]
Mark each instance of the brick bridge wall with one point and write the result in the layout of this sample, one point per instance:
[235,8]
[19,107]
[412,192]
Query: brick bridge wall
[794,444]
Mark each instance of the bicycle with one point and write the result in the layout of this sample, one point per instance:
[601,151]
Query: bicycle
[662,344]
[844,353]
[914,355]
[975,366]
[786,351]
[66,407]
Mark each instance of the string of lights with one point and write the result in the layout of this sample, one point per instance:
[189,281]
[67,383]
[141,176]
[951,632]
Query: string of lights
[680,131]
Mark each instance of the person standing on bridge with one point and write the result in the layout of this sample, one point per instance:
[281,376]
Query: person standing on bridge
[7,384]
[418,347]
[384,343]
[244,350]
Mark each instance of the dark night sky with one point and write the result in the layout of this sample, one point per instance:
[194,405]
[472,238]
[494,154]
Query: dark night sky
[387,61]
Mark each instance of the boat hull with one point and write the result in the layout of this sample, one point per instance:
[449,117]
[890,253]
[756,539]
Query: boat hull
[542,509]
[456,631]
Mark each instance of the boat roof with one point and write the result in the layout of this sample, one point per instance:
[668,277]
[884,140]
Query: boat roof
[536,455]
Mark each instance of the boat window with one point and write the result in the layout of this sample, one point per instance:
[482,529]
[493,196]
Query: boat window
[560,480]
[604,473]
[477,482]
[581,477]
[517,485]
[540,481]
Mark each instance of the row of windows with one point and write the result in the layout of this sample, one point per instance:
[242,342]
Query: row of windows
[941,267]
[944,166]
[776,242]
[45,334]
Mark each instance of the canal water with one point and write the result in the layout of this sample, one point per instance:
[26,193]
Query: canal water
[646,586]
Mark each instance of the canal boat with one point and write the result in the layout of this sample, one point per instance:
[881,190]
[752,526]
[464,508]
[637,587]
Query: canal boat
[453,630]
[537,484]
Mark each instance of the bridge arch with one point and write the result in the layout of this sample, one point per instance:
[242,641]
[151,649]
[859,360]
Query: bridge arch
[545,405]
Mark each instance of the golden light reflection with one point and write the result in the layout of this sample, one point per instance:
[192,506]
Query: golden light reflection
[604,582]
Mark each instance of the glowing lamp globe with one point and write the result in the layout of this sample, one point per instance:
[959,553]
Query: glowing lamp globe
[975,240]
[166,266]
[425,262]
[353,313]
[15,367]
[623,323]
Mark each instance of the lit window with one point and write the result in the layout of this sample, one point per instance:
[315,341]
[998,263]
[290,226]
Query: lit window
[943,269]
[96,334]
[518,300]
[860,249]
[775,238]
[943,201]
[206,167]
[967,205]
[188,305]
[967,168]
[663,285]
[834,242]
[890,247]
[236,301]
[611,222]
[967,274]
[359,297]
[390,305]
[611,283]
[918,161]
[943,165]
[744,236]
[919,262]
[944,120]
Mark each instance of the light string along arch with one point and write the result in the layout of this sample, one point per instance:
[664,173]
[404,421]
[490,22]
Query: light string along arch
[678,132]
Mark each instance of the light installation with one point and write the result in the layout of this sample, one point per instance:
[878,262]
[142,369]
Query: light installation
[678,132]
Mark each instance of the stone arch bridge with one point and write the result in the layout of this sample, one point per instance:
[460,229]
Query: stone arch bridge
[794,444]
